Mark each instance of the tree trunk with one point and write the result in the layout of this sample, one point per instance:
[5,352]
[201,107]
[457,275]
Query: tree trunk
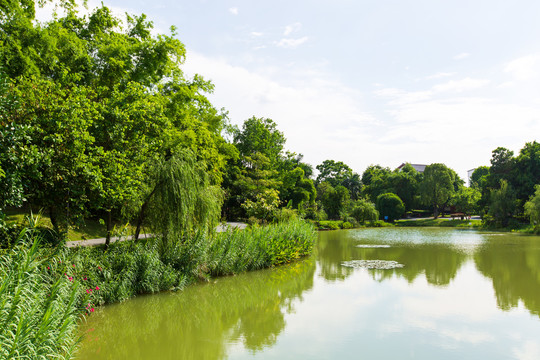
[108,221]
[436,212]
[54,218]
[142,213]
[140,219]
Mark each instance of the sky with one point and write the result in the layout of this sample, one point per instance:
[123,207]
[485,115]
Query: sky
[368,81]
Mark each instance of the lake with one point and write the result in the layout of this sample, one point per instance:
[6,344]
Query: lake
[435,293]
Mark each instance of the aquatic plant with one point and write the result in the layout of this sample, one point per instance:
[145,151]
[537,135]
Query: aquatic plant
[38,314]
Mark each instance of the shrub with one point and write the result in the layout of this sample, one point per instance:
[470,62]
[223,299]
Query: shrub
[390,206]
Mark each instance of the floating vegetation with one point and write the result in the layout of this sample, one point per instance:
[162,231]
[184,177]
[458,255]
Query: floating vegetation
[373,264]
[368,246]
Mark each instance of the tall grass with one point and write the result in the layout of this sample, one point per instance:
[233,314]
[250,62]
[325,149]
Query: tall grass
[260,247]
[130,268]
[38,315]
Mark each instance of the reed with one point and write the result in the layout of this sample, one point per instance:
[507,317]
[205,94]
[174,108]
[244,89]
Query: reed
[38,315]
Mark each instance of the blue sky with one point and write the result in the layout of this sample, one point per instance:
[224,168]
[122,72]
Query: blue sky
[369,81]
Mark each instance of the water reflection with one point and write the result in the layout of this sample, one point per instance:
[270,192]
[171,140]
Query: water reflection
[437,258]
[442,304]
[200,322]
[513,265]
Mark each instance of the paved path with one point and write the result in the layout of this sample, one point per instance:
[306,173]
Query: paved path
[101,241]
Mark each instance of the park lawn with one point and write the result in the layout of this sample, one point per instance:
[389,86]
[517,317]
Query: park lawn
[440,223]
[90,229]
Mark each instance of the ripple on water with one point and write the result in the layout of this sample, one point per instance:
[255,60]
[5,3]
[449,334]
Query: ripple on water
[372,246]
[373,264]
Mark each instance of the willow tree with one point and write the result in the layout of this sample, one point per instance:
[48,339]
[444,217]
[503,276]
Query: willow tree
[181,199]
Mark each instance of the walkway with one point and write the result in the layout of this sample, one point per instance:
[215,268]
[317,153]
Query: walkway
[101,241]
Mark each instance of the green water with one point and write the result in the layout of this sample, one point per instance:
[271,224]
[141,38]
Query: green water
[460,295]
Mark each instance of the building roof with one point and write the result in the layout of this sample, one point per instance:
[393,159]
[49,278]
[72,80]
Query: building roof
[418,167]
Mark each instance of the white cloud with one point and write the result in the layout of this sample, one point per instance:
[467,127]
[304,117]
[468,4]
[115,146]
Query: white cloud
[528,351]
[233,10]
[461,85]
[291,43]
[524,68]
[256,34]
[310,107]
[461,56]
[289,29]
[440,75]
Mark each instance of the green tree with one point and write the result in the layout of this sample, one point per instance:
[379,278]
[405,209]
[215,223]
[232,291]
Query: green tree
[183,199]
[296,188]
[527,173]
[479,177]
[260,135]
[502,167]
[333,172]
[502,204]
[363,210]
[404,183]
[390,206]
[335,200]
[532,207]
[437,187]
[466,200]
[375,181]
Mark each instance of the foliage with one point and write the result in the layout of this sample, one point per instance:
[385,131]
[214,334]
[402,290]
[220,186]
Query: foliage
[99,102]
[183,200]
[363,210]
[437,187]
[479,177]
[532,207]
[38,314]
[390,206]
[466,200]
[333,172]
[265,204]
[296,188]
[260,135]
[335,201]
[502,204]
[527,166]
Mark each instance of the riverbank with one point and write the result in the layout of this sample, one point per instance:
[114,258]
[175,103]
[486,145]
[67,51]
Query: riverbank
[85,277]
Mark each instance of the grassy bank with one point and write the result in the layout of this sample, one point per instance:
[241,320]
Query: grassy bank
[440,223]
[44,292]
[340,224]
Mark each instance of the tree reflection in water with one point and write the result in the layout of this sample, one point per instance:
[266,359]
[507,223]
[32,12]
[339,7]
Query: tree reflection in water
[202,321]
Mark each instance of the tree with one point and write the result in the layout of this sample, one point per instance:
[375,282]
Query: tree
[479,177]
[297,189]
[437,187]
[390,206]
[404,183]
[375,181]
[502,204]
[333,172]
[527,165]
[335,200]
[502,167]
[102,101]
[260,135]
[532,207]
[183,200]
[363,210]
[466,200]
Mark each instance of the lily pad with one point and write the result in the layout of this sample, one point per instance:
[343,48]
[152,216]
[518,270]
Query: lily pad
[373,264]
